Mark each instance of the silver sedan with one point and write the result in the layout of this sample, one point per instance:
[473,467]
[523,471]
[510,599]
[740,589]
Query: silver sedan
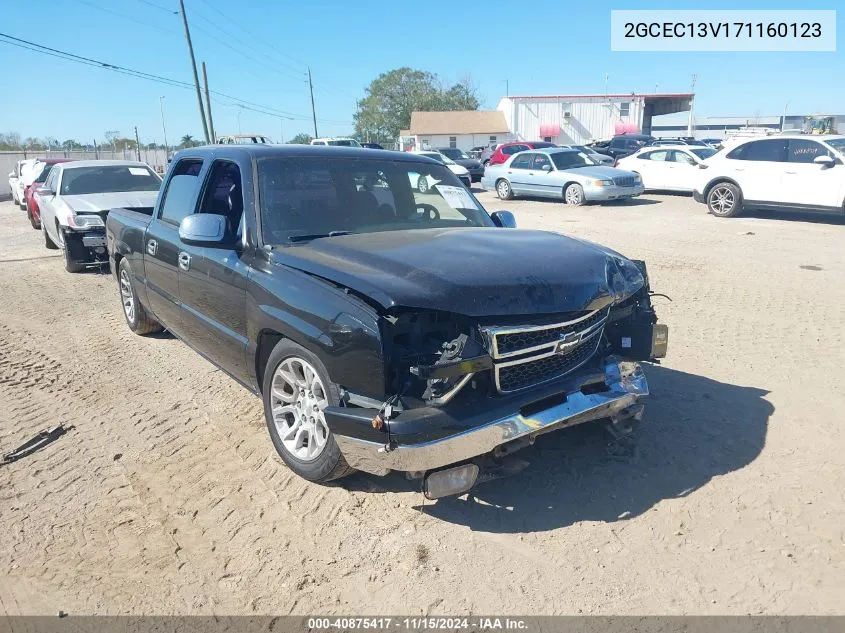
[560,173]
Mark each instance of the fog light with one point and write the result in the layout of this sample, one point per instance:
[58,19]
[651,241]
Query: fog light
[452,481]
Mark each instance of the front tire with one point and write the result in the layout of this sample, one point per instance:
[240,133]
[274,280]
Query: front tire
[71,265]
[573,195]
[296,390]
[137,318]
[504,190]
[49,244]
[724,200]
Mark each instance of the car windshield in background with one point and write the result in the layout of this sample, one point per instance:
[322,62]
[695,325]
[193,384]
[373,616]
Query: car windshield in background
[108,179]
[571,160]
[45,171]
[702,152]
[454,154]
[583,149]
[838,144]
[304,198]
[440,158]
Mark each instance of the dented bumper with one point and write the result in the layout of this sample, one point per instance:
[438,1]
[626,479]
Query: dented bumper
[608,393]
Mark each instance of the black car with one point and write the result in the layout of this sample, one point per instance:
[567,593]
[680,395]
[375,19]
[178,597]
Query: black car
[384,328]
[371,146]
[472,165]
[624,144]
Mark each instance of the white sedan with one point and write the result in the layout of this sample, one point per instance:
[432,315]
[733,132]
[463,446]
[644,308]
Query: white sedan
[16,178]
[424,183]
[76,198]
[669,168]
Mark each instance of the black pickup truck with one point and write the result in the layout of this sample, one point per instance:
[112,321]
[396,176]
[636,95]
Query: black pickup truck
[385,328]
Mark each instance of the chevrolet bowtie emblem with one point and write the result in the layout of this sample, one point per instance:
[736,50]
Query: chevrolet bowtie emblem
[567,342]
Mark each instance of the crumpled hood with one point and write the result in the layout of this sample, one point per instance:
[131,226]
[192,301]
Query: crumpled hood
[471,271]
[96,202]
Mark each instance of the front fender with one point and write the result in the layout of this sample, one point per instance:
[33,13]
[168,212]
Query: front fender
[341,329]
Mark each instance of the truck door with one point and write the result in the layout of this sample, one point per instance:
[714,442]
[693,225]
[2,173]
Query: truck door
[212,280]
[162,244]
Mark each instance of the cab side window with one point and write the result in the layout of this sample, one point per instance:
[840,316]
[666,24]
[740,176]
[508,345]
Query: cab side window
[540,161]
[180,196]
[769,150]
[224,195]
[805,151]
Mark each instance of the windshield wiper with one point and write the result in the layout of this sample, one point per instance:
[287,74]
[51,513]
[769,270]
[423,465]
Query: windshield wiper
[314,236]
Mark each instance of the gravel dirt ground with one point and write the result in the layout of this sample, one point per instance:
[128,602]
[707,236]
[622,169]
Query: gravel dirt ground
[167,496]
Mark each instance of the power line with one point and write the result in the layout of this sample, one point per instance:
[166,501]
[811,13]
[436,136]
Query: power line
[126,17]
[158,6]
[231,22]
[88,61]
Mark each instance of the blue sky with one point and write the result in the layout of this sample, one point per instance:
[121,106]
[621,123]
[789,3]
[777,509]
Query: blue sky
[551,47]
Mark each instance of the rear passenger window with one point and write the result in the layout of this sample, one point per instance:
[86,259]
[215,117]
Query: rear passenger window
[224,195]
[180,197]
[769,150]
[522,162]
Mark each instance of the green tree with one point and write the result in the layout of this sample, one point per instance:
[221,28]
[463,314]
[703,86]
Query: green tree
[392,96]
[301,139]
[188,141]
[71,144]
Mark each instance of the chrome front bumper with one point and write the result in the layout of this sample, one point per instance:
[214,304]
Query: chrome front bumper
[626,384]
[600,194]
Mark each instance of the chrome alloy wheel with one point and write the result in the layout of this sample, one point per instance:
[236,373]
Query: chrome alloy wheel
[722,200]
[126,296]
[503,189]
[297,398]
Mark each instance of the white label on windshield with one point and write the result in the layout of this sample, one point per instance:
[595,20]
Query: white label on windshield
[456,197]
[138,171]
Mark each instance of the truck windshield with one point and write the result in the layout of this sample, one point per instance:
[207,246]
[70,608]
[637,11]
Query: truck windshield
[305,198]
[108,179]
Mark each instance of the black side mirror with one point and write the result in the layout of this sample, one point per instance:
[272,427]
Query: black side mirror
[503,219]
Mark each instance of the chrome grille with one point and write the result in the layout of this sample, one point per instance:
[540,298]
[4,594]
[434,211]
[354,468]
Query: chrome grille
[624,181]
[540,369]
[529,355]
[521,340]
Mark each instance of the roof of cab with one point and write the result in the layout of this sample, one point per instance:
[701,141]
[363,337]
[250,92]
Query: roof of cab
[257,150]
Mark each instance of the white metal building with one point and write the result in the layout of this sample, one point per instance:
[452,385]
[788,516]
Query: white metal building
[575,119]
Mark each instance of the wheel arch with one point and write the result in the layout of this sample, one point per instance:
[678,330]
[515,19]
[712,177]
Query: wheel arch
[719,180]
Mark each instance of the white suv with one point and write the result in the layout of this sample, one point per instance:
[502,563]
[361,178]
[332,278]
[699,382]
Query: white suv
[794,172]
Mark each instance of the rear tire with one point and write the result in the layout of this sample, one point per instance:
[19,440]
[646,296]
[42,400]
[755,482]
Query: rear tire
[504,189]
[724,200]
[301,408]
[137,318]
[35,225]
[422,184]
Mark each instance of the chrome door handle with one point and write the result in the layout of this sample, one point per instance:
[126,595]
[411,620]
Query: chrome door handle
[184,260]
[152,247]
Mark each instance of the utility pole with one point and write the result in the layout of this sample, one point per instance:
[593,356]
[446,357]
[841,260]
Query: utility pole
[96,151]
[194,68]
[313,111]
[137,145]
[691,124]
[163,129]
[208,104]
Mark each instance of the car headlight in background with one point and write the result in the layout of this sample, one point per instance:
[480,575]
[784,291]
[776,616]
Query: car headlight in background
[85,221]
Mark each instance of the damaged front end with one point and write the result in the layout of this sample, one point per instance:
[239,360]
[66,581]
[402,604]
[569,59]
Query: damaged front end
[464,390]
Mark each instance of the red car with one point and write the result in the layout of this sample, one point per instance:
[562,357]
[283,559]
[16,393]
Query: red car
[32,210]
[505,150]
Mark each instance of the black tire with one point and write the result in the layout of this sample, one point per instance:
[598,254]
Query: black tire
[71,265]
[35,225]
[138,320]
[724,200]
[504,189]
[49,244]
[422,184]
[573,195]
[329,464]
